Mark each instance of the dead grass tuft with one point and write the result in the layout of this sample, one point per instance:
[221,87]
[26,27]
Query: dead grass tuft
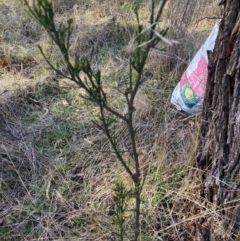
[57,171]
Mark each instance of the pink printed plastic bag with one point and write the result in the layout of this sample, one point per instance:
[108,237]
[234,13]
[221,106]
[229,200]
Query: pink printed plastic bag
[189,93]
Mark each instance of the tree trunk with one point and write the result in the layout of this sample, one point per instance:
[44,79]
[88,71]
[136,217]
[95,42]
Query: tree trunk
[217,160]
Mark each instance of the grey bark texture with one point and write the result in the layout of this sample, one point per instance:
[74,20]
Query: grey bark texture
[218,151]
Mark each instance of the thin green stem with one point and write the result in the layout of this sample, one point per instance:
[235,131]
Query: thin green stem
[42,11]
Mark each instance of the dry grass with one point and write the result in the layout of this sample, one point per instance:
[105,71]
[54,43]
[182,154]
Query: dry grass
[57,172]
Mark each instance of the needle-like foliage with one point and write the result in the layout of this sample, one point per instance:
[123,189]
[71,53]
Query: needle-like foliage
[79,66]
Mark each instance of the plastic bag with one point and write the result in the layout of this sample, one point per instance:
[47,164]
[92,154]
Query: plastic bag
[189,93]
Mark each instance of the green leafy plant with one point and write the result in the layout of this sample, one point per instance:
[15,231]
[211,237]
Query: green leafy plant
[122,195]
[88,77]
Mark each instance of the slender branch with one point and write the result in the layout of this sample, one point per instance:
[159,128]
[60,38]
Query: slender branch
[107,132]
[42,11]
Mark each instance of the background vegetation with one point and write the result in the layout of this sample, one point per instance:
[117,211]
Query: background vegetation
[57,176]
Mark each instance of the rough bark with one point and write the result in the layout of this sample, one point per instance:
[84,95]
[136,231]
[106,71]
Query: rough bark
[218,151]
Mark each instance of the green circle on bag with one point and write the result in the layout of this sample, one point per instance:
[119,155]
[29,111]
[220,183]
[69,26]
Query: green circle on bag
[188,96]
